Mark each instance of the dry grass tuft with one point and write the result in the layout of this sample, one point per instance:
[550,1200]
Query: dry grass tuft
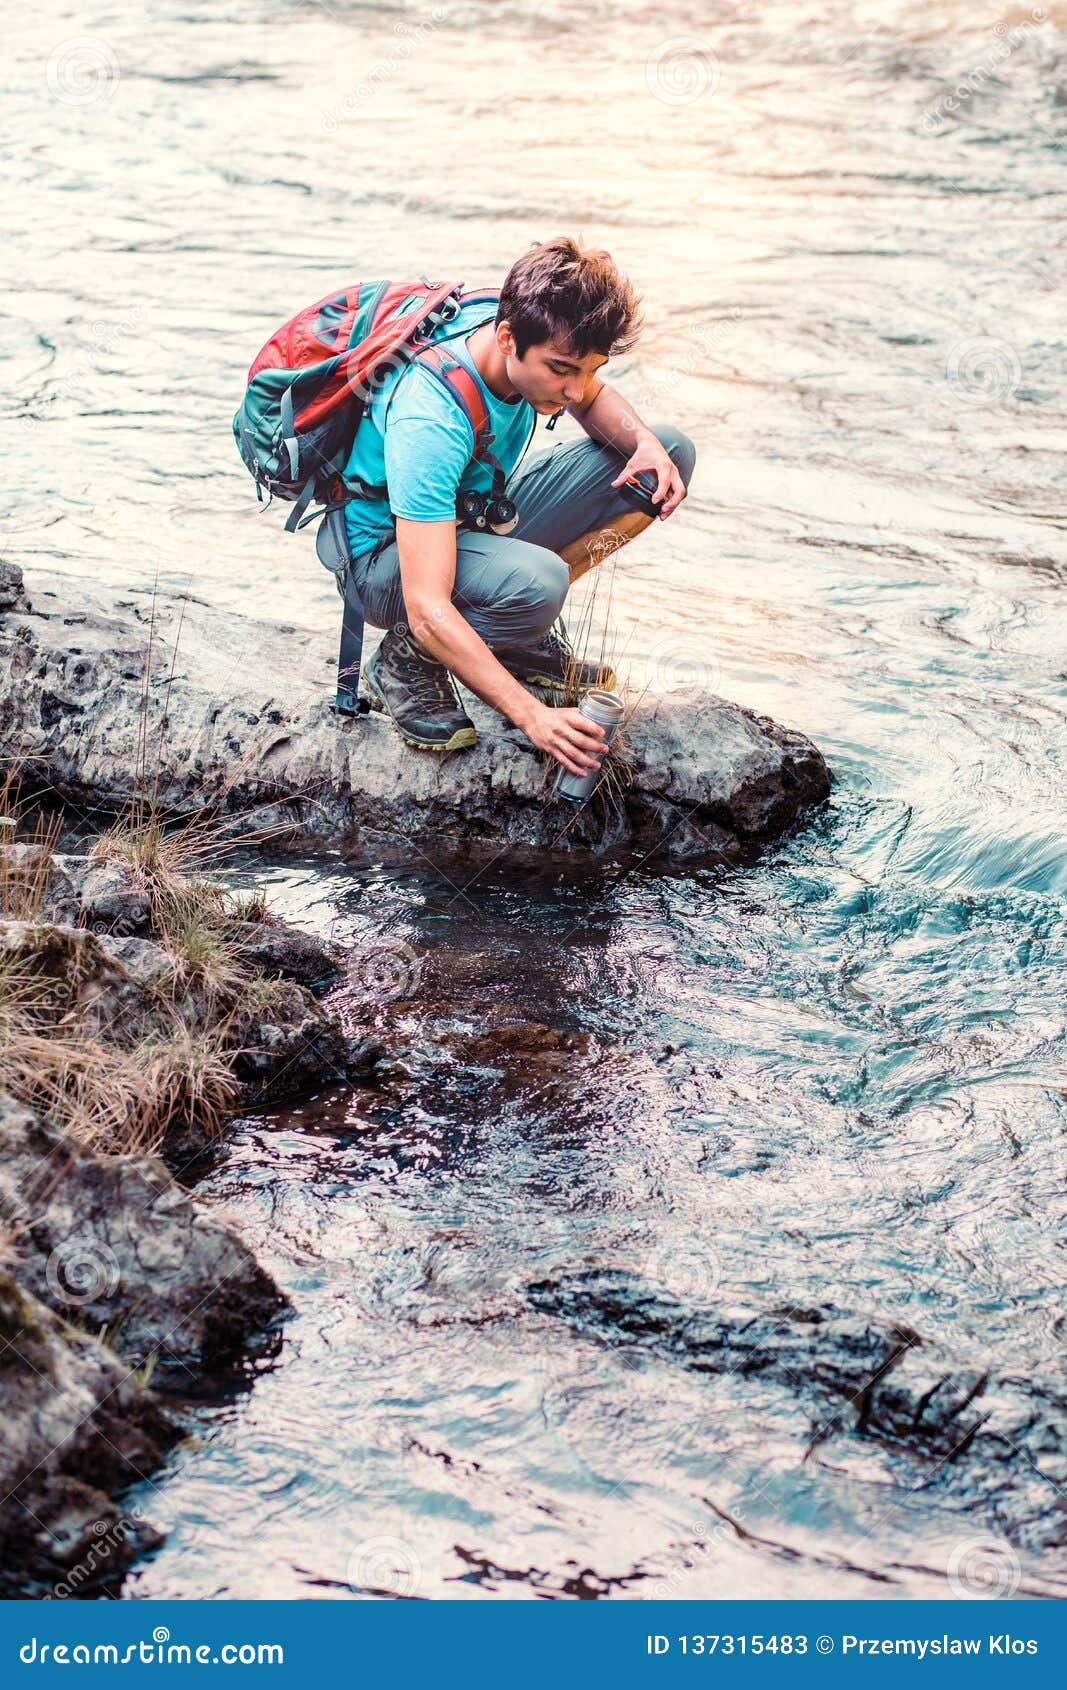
[121,1100]
[186,1074]
[193,922]
[600,649]
[126,1098]
[252,905]
[25,864]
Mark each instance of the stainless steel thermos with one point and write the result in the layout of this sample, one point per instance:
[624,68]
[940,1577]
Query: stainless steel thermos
[608,709]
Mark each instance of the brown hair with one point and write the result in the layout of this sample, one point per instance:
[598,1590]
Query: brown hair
[578,299]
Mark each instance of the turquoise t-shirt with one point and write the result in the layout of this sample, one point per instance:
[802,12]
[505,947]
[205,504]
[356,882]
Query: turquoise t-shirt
[423,453]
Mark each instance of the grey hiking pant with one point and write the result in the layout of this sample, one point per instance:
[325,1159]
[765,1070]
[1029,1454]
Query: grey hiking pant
[511,587]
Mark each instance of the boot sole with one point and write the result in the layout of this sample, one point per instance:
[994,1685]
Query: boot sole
[552,683]
[461,740]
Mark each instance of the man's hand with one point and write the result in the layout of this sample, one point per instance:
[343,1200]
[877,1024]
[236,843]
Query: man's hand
[568,736]
[670,487]
[427,574]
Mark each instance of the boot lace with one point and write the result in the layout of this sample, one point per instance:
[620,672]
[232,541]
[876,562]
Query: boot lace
[427,680]
[556,640]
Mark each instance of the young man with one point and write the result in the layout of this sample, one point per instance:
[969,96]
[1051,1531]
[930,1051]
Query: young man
[473,603]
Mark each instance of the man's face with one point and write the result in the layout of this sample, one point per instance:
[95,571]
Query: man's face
[549,375]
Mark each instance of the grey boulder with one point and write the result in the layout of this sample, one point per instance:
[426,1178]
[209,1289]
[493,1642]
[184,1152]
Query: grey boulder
[241,718]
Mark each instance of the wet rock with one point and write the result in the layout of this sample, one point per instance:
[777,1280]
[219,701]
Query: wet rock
[113,1241]
[12,594]
[75,1423]
[537,1049]
[286,1043]
[710,780]
[1001,1442]
[362,1056]
[276,949]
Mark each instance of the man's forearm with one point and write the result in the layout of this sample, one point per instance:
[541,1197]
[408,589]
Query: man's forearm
[609,418]
[445,634]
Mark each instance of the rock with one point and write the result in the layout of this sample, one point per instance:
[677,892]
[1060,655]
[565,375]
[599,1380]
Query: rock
[110,900]
[37,884]
[82,979]
[709,779]
[1001,1442]
[287,1044]
[362,1056]
[113,1241]
[12,596]
[276,949]
[142,958]
[75,1424]
[122,990]
[539,1051]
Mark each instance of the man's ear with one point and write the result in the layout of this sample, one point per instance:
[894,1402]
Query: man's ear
[505,339]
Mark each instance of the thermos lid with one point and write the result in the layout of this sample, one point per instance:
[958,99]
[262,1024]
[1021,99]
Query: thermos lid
[607,708]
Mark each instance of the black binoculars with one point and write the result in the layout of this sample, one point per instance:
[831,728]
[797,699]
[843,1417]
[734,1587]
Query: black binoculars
[494,511]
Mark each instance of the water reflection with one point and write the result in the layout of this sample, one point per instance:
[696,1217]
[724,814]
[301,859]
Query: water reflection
[833,1080]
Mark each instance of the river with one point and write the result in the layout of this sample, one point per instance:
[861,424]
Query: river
[835,1078]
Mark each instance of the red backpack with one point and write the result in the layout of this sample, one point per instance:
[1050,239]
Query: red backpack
[308,391]
[312,383]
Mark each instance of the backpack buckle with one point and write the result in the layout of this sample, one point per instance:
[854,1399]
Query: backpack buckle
[349,704]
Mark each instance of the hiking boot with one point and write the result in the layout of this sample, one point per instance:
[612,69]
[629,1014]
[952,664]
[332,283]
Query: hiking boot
[551,663]
[418,693]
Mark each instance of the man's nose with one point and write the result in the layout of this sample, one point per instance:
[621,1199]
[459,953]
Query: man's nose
[573,391]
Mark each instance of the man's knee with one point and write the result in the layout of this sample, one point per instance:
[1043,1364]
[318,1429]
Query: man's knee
[679,448]
[520,597]
[545,580]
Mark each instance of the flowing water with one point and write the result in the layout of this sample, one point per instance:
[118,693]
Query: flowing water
[836,1078]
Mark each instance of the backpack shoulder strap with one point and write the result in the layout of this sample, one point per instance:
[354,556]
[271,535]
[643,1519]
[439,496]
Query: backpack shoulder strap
[464,390]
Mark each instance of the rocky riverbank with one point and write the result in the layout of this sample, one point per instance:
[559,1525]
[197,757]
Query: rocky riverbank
[138,1009]
[239,711]
[141,1004]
